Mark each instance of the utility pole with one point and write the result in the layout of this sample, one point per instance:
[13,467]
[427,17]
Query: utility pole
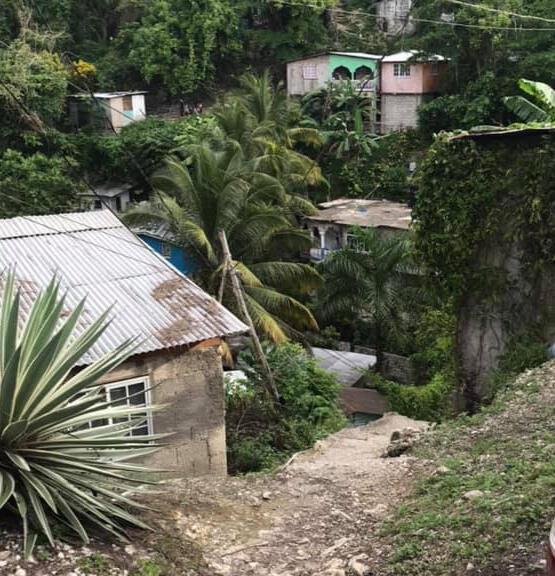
[240,298]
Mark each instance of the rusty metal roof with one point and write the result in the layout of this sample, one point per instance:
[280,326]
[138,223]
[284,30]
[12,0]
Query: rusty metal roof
[364,213]
[97,257]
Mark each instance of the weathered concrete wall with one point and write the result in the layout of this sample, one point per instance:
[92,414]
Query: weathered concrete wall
[399,111]
[191,383]
[487,322]
[297,84]
[397,368]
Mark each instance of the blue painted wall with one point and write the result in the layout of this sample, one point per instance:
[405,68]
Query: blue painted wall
[174,254]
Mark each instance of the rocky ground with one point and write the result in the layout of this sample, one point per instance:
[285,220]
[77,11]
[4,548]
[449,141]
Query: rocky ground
[474,498]
[316,515]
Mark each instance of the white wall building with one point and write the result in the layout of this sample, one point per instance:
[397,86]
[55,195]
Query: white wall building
[119,108]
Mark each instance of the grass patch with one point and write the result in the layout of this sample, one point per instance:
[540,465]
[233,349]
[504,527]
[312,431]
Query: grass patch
[507,452]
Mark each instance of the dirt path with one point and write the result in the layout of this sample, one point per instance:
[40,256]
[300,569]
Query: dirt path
[312,518]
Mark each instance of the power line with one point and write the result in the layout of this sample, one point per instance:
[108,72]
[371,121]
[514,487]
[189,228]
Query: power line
[415,19]
[496,10]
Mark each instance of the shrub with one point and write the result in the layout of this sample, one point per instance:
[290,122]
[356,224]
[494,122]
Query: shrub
[434,339]
[522,354]
[260,433]
[432,401]
[34,184]
[54,468]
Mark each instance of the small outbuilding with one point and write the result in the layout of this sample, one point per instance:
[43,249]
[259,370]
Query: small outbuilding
[178,362]
[360,404]
[110,196]
[110,110]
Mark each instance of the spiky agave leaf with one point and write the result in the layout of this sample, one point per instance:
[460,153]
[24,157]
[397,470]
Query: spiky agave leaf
[53,467]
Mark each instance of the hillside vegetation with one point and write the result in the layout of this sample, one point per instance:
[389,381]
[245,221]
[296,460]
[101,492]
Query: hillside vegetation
[486,501]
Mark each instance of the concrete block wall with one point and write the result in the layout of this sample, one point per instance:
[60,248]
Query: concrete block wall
[191,384]
[399,111]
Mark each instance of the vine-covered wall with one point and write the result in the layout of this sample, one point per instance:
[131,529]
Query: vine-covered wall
[485,222]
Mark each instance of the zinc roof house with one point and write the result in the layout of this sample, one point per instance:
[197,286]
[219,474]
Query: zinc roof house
[408,80]
[307,74]
[180,327]
[331,227]
[112,110]
[111,195]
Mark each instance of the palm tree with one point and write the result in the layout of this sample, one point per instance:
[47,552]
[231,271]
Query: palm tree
[540,109]
[212,191]
[268,129]
[55,468]
[367,283]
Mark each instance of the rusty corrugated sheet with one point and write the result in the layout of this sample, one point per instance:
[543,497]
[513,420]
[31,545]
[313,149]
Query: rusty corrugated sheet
[97,257]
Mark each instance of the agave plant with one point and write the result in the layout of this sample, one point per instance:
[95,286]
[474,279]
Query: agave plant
[55,465]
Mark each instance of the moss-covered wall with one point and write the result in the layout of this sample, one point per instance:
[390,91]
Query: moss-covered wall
[485,220]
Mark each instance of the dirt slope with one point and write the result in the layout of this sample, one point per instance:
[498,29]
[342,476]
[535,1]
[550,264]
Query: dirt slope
[311,518]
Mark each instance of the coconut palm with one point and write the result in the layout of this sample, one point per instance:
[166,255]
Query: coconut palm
[268,129]
[54,466]
[212,191]
[367,282]
[540,109]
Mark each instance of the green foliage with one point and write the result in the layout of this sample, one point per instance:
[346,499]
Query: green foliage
[176,42]
[96,564]
[35,184]
[138,150]
[33,86]
[521,354]
[260,434]
[368,283]
[431,401]
[504,451]
[148,568]
[47,475]
[433,342]
[276,32]
[471,192]
[542,106]
[479,103]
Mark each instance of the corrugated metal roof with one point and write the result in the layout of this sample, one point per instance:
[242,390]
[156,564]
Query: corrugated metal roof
[364,55]
[413,54]
[97,257]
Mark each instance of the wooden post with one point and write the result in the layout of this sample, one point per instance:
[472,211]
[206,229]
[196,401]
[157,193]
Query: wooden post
[240,298]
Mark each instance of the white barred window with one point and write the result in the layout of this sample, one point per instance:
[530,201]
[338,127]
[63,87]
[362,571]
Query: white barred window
[401,70]
[131,393]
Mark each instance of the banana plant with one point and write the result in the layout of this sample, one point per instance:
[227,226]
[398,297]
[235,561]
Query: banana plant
[541,107]
[56,466]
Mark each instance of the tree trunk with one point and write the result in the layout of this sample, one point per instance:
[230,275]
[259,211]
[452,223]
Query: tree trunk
[240,298]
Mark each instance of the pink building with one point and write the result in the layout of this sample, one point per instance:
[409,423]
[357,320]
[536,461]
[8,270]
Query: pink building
[407,81]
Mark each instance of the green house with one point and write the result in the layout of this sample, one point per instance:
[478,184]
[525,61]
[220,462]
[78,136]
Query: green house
[307,74]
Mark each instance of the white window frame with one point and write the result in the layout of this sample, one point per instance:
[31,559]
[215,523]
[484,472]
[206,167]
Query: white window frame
[310,72]
[401,70]
[126,383]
